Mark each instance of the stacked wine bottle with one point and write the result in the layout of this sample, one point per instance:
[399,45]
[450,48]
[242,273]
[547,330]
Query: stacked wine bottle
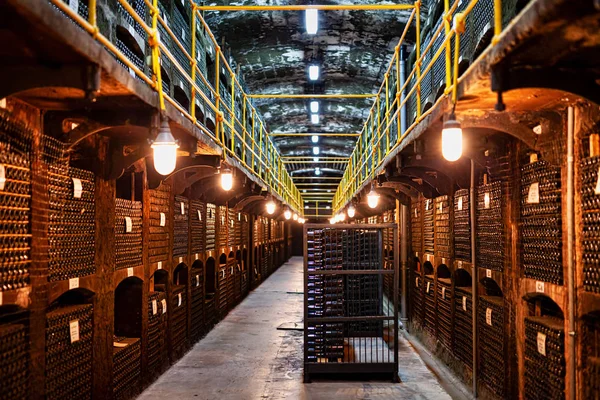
[442,227]
[416,226]
[428,227]
[223,307]
[490,320]
[444,311]
[590,199]
[462,226]
[417,297]
[158,243]
[211,219]
[181,229]
[222,227]
[157,328]
[197,327]
[430,319]
[14,361]
[198,226]
[179,326]
[127,354]
[541,225]
[463,324]
[590,343]
[128,233]
[490,227]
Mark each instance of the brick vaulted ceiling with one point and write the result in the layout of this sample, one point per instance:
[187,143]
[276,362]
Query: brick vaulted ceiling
[273,52]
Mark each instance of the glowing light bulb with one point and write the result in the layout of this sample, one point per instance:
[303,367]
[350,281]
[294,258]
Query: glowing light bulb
[315,139]
[312,21]
[164,150]
[342,216]
[316,150]
[452,142]
[287,214]
[351,211]
[313,72]
[226,179]
[332,220]
[295,217]
[314,106]
[373,198]
[270,207]
[314,118]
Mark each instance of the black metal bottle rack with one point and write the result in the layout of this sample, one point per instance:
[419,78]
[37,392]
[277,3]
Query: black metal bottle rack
[428,227]
[490,321]
[198,226]
[127,354]
[128,233]
[14,361]
[181,229]
[158,243]
[462,225]
[211,218]
[444,311]
[69,352]
[158,353]
[544,358]
[197,329]
[179,325]
[430,319]
[590,208]
[490,227]
[541,225]
[442,227]
[463,325]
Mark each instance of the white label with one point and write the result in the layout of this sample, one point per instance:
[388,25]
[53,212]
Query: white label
[196,256]
[488,316]
[428,286]
[128,224]
[416,214]
[255,271]
[154,307]
[199,216]
[597,190]
[179,300]
[440,207]
[159,265]
[73,283]
[417,281]
[460,265]
[74,330]
[129,272]
[163,219]
[180,260]
[131,72]
[182,206]
[539,287]
[182,33]
[74,5]
[426,205]
[443,261]
[486,200]
[464,303]
[488,273]
[231,223]
[444,293]
[2,177]
[197,280]
[77,188]
[163,302]
[460,200]
[533,197]
[541,343]
[0,298]
[3,103]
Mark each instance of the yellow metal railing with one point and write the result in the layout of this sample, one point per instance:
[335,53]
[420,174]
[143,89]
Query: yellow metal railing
[374,143]
[245,141]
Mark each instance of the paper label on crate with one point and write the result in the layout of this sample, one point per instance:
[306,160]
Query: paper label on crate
[255,271]
[163,302]
[163,219]
[488,316]
[73,283]
[440,208]
[128,225]
[196,256]
[541,343]
[539,287]
[180,260]
[416,213]
[533,197]
[199,216]
[488,273]
[179,300]
[231,223]
[597,189]
[426,205]
[443,261]
[197,280]
[444,293]
[417,281]
[460,203]
[182,33]
[428,286]
[486,200]
[464,303]
[231,271]
[129,272]
[182,206]
[77,188]
[2,176]
[154,307]
[74,5]
[159,265]
[460,265]
[74,330]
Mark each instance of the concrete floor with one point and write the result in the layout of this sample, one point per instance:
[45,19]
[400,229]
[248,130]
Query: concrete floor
[246,357]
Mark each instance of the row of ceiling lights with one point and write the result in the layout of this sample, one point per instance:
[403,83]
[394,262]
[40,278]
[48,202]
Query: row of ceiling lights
[312,26]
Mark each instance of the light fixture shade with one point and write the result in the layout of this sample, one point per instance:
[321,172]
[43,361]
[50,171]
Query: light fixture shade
[315,139]
[314,106]
[270,207]
[452,142]
[316,150]
[287,214]
[351,211]
[312,21]
[313,72]
[164,150]
[295,217]
[373,198]
[226,179]
[314,118]
[317,171]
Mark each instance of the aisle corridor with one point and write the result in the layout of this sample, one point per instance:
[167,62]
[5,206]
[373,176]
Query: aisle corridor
[246,357]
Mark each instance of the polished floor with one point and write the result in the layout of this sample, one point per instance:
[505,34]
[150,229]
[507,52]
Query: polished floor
[246,357]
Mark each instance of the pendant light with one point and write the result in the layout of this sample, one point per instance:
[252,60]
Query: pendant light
[452,141]
[164,149]
[270,206]
[226,178]
[351,211]
[287,213]
[373,197]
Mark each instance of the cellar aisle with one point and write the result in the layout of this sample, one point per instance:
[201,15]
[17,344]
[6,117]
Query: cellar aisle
[246,357]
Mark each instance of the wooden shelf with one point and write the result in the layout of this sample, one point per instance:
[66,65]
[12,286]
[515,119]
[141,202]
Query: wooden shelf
[58,288]
[19,297]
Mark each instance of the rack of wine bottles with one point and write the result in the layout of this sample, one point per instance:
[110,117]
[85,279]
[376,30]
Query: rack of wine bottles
[541,226]
[179,325]
[429,319]
[222,282]
[197,288]
[127,353]
[444,311]
[128,233]
[230,284]
[490,227]
[15,197]
[232,222]
[181,229]
[245,229]
[211,219]
[198,226]
[417,297]
[442,227]
[237,281]
[69,352]
[590,209]
[490,320]
[428,227]
[416,226]
[238,217]
[462,225]
[463,324]
[158,243]
[14,361]
[222,227]
[590,343]
[544,358]
[157,328]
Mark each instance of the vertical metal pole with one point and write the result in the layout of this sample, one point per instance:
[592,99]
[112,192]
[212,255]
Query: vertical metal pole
[396,378]
[403,94]
[403,218]
[474,279]
[572,371]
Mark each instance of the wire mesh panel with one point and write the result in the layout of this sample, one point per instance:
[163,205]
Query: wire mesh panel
[347,329]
